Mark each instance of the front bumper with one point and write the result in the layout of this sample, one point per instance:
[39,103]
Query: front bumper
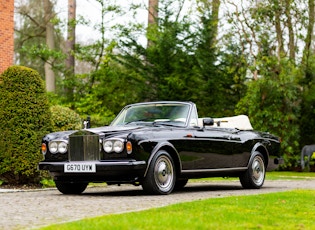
[105,171]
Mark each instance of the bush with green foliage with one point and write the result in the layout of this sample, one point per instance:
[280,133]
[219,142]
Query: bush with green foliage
[25,119]
[63,118]
[272,104]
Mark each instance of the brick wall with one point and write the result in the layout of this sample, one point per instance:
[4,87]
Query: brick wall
[6,34]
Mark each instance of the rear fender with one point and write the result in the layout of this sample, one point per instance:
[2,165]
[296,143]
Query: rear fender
[263,150]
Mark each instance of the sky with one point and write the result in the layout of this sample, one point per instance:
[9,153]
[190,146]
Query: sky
[90,10]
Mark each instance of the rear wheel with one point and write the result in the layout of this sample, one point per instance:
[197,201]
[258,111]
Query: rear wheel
[254,176]
[70,188]
[161,175]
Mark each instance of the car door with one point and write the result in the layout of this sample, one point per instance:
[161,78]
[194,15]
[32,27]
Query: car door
[212,148]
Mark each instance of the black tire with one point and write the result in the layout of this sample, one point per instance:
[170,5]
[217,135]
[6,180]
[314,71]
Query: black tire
[180,184]
[70,188]
[254,176]
[161,175]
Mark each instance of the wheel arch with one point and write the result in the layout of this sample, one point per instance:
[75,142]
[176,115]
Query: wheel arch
[170,149]
[263,150]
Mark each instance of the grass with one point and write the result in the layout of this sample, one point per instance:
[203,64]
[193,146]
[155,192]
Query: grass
[283,210]
[274,175]
[289,175]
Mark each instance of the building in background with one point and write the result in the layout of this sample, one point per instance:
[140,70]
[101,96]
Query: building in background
[6,34]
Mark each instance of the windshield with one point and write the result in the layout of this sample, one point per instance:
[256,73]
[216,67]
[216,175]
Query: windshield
[160,113]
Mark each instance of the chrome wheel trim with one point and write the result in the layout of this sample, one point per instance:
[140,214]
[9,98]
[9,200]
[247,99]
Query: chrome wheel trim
[258,168]
[164,173]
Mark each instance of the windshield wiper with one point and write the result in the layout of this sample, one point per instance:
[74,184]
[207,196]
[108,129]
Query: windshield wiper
[135,121]
[168,123]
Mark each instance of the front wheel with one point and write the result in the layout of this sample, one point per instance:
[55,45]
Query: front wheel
[161,175]
[254,176]
[70,188]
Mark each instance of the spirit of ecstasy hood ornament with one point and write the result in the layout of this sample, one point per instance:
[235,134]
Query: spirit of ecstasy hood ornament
[87,123]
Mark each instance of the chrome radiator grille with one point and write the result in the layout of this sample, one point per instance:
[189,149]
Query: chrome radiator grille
[84,146]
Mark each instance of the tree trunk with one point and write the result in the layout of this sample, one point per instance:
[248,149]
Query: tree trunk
[280,50]
[49,73]
[215,18]
[290,29]
[70,61]
[152,15]
[309,35]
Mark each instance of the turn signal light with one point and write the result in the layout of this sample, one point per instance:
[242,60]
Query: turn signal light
[44,148]
[129,147]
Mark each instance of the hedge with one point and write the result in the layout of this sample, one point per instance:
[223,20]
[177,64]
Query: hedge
[24,120]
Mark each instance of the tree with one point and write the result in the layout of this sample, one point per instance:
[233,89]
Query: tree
[107,86]
[50,42]
[218,97]
[70,44]
[38,42]
[272,104]
[162,63]
[307,51]
[153,9]
[271,36]
[307,118]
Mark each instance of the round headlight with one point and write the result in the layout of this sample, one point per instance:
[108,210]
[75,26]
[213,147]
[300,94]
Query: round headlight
[108,146]
[62,147]
[118,146]
[53,147]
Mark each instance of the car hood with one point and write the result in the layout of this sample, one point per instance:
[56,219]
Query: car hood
[105,131]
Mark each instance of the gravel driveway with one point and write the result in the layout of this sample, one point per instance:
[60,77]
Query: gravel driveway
[36,208]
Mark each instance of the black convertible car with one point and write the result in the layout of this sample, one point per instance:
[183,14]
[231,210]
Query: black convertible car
[159,145]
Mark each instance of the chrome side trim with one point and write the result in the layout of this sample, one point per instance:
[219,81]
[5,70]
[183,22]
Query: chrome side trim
[214,170]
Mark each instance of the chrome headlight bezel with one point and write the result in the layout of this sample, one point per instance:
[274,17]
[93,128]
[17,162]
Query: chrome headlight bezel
[115,145]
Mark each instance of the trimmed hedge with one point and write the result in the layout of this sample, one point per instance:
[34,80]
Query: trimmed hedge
[24,120]
[64,118]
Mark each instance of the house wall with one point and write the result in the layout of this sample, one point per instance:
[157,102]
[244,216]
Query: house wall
[6,34]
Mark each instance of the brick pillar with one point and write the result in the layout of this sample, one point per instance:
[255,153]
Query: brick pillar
[6,34]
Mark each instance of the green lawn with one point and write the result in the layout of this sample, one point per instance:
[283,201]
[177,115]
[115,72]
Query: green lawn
[274,175]
[284,210]
[290,175]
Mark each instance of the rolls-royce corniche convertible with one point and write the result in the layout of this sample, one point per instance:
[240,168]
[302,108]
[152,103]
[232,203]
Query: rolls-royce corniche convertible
[159,145]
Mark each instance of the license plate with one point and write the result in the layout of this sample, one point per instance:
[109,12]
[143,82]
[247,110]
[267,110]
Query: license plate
[80,167]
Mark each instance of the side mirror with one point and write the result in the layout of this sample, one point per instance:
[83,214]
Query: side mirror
[207,122]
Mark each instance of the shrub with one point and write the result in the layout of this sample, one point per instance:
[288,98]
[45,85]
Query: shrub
[24,116]
[64,118]
[272,103]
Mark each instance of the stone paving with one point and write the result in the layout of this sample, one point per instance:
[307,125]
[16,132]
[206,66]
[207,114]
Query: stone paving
[33,209]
